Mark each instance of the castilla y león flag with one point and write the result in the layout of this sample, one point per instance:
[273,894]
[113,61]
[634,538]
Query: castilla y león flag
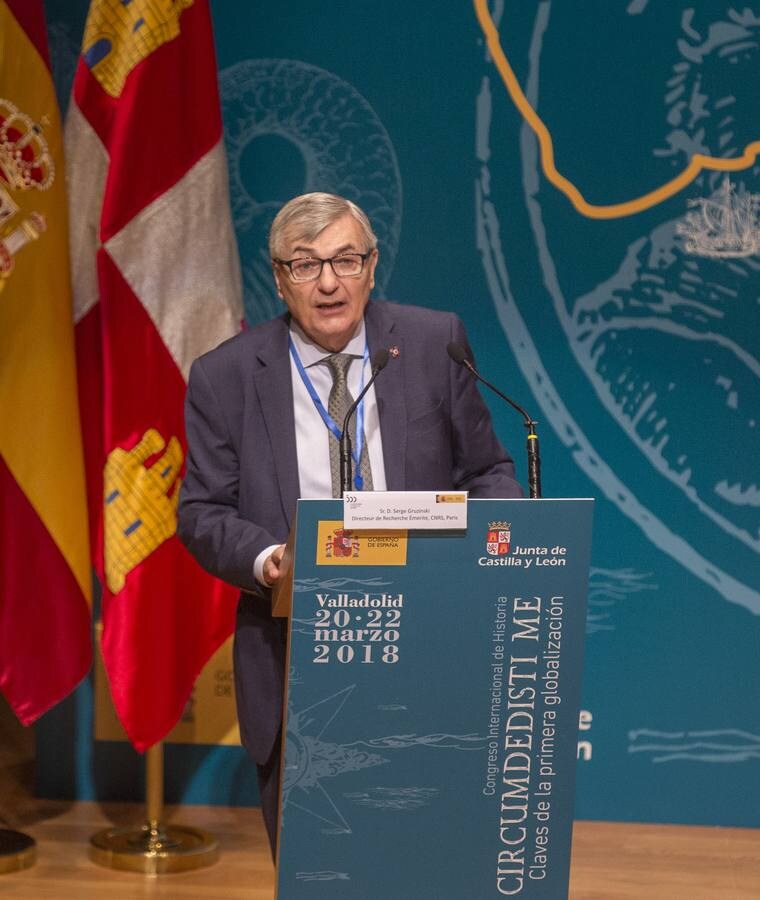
[44,554]
[156,283]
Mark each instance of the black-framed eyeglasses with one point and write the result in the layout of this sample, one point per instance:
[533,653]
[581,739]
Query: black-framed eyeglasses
[309,268]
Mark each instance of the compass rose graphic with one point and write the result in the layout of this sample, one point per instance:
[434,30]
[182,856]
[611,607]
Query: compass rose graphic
[311,760]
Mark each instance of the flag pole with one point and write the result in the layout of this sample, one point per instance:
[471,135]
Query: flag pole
[154,848]
[17,851]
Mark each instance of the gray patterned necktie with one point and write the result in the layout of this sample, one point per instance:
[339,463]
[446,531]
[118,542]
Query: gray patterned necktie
[338,402]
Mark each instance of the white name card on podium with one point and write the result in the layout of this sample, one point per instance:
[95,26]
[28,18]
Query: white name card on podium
[424,510]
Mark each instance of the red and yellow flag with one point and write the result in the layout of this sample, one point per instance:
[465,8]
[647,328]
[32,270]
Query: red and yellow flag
[156,283]
[44,554]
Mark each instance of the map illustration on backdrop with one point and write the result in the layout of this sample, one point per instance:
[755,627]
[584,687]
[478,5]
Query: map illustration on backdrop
[664,340]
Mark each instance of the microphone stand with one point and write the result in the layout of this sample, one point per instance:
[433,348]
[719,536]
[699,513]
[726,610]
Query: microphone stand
[457,353]
[379,362]
[346,465]
[534,456]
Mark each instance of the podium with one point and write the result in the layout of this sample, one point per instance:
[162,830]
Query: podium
[432,707]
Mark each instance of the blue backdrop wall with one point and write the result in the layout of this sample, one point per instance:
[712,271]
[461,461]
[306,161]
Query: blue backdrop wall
[622,309]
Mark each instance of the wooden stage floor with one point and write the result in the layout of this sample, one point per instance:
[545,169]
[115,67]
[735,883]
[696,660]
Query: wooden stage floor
[610,861]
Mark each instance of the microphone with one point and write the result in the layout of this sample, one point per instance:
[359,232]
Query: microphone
[378,362]
[459,355]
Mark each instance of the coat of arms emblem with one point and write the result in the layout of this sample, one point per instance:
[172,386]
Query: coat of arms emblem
[25,165]
[341,544]
[498,538]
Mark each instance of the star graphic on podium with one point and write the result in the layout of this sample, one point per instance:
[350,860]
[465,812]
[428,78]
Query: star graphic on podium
[309,759]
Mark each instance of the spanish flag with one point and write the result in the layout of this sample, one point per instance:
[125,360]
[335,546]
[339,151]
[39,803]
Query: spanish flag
[44,554]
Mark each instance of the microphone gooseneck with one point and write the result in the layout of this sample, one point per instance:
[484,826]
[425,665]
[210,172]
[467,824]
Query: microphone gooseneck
[459,355]
[378,362]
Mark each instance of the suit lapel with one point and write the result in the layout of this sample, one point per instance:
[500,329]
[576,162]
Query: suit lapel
[389,392]
[275,391]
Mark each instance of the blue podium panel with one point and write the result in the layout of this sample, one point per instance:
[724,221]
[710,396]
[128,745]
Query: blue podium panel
[432,712]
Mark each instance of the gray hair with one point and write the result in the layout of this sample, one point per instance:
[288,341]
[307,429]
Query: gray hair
[304,217]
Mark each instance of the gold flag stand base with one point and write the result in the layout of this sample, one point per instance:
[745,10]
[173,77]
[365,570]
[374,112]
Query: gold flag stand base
[154,848]
[17,851]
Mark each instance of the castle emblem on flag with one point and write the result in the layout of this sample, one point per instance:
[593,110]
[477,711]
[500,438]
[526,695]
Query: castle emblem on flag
[342,543]
[140,514]
[498,538]
[25,165]
[120,35]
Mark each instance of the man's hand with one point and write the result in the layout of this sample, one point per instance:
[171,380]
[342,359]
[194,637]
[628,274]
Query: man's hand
[272,572]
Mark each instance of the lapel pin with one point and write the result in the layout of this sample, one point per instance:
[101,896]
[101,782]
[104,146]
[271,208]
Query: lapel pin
[394,352]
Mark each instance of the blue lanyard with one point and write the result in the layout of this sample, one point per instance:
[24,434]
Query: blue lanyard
[356,452]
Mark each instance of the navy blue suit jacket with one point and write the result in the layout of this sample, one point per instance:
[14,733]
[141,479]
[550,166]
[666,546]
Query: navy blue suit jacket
[241,486]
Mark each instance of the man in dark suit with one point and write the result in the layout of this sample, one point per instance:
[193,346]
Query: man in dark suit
[260,425]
